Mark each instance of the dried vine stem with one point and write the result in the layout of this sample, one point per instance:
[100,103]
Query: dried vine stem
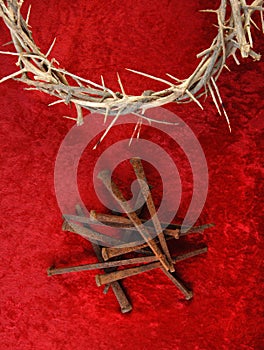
[42,73]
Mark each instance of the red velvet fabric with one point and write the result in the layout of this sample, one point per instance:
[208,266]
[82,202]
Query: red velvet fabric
[70,312]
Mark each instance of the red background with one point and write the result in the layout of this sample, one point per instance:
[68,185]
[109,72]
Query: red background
[70,312]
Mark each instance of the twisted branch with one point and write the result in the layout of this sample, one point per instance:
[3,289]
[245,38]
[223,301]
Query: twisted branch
[42,73]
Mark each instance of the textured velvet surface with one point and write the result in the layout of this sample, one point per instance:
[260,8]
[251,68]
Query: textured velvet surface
[70,312]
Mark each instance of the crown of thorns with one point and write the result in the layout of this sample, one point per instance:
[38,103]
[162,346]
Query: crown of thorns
[234,22]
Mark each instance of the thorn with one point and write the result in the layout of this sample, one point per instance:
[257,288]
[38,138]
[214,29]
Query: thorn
[262,21]
[55,103]
[254,24]
[121,85]
[233,53]
[209,10]
[102,80]
[79,115]
[193,98]
[220,99]
[28,14]
[151,77]
[214,98]
[152,120]
[67,117]
[133,134]
[9,43]
[108,128]
[172,77]
[139,129]
[97,144]
[106,115]
[9,53]
[13,75]
[51,47]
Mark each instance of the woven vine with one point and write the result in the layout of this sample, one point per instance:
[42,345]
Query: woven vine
[36,69]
